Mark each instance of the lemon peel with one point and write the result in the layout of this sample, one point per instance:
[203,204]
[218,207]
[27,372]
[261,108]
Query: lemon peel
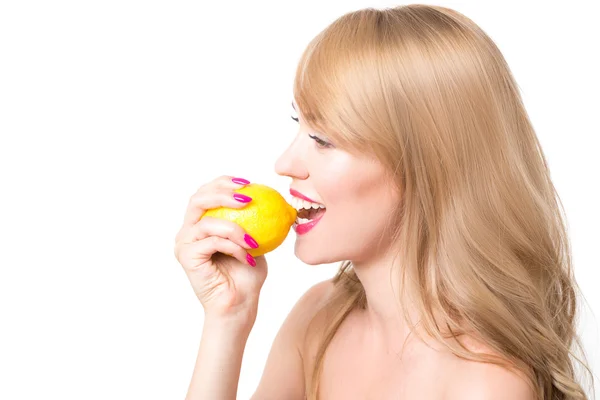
[267,218]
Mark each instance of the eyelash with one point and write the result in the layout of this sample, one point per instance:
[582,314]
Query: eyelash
[320,142]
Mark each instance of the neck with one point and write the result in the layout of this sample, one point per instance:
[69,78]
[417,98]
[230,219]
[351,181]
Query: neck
[383,315]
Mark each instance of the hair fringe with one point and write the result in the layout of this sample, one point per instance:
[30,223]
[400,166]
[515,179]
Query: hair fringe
[485,248]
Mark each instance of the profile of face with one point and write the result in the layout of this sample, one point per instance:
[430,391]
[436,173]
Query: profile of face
[357,197]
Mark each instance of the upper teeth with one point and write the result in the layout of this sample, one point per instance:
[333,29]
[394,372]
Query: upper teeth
[299,204]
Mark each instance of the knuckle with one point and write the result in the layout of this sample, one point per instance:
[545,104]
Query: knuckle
[203,186]
[196,199]
[180,234]
[218,181]
[197,192]
[214,241]
[203,227]
[199,197]
[179,254]
[204,223]
[191,202]
[231,229]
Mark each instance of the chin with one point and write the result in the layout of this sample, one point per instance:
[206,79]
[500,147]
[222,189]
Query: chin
[308,257]
[312,257]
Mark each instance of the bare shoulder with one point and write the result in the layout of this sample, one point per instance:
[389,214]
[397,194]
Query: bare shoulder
[315,297]
[489,382]
[306,308]
[283,376]
[482,381]
[301,318]
[312,313]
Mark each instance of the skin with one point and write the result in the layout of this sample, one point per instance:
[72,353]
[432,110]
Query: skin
[363,358]
[359,200]
[227,287]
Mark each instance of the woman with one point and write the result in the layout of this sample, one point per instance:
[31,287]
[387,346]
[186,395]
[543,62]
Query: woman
[457,282]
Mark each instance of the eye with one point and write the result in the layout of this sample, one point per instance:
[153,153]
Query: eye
[320,143]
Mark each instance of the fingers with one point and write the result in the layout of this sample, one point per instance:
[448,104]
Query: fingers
[202,250]
[209,226]
[217,193]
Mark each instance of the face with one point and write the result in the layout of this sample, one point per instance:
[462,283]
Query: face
[357,198]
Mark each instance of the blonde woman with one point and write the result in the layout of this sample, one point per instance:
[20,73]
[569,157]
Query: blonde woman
[456,279]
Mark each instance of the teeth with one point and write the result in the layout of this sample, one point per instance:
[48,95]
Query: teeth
[294,203]
[301,221]
[299,204]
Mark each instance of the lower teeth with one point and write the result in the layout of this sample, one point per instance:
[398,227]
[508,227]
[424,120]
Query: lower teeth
[301,221]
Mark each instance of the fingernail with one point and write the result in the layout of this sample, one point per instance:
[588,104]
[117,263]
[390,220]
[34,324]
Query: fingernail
[240,181]
[250,260]
[242,198]
[251,242]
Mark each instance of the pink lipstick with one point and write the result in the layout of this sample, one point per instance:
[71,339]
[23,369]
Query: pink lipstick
[296,193]
[305,228]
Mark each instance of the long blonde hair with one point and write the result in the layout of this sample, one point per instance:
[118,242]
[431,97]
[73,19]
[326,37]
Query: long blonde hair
[484,243]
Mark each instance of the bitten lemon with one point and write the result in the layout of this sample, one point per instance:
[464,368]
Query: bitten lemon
[267,218]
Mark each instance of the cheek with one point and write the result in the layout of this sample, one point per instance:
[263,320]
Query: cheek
[334,177]
[359,204]
[359,236]
[354,192]
[352,228]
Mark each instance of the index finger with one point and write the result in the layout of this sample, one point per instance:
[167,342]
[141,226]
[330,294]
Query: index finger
[218,193]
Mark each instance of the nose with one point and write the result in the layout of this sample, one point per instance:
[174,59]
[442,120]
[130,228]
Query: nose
[291,162]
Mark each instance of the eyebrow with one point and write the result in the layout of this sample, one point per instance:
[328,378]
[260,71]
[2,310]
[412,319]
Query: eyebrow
[293,106]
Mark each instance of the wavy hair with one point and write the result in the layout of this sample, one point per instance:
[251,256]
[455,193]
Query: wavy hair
[485,248]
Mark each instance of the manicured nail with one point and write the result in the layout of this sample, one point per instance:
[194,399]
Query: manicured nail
[250,260]
[251,242]
[242,198]
[240,181]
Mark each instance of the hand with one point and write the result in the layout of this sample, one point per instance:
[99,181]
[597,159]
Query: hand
[213,254]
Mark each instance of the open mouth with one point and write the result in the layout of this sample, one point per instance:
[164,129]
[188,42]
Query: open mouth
[307,211]
[306,215]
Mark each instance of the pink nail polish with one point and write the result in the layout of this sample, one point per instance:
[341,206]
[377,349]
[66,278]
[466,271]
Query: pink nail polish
[240,181]
[242,198]
[251,260]
[250,240]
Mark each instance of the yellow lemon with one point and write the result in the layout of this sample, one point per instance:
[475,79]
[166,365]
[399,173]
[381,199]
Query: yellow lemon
[267,218]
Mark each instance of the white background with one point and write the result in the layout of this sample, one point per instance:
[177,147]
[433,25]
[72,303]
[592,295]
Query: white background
[112,113]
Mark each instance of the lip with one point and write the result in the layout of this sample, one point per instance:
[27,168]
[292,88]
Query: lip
[304,228]
[296,193]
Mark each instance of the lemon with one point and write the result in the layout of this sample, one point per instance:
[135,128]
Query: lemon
[267,218]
